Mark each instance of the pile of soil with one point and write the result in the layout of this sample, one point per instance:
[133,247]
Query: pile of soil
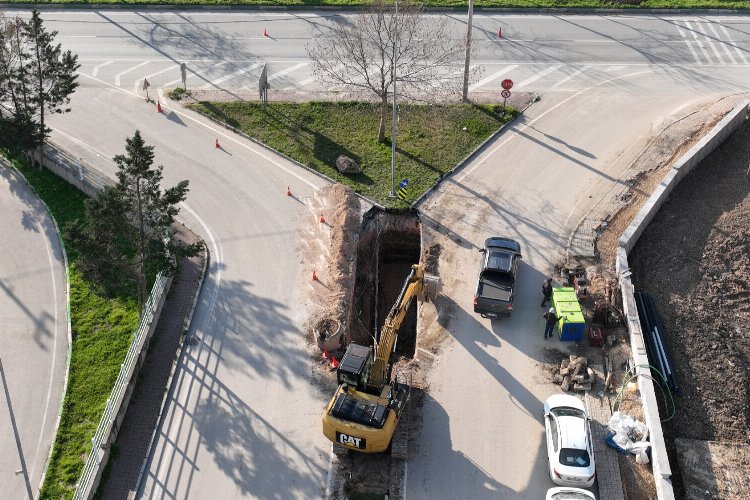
[695,260]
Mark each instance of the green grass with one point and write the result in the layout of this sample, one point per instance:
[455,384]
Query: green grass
[460,4]
[430,139]
[102,331]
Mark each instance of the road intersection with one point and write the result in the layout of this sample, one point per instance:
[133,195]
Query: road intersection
[242,418]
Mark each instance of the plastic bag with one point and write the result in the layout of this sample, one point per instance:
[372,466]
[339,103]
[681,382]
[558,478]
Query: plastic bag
[628,435]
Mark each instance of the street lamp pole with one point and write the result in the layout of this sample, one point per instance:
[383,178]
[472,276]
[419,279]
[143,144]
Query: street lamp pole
[393,119]
[465,95]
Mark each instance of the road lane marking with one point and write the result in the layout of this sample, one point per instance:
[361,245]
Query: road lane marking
[732,42]
[492,77]
[223,79]
[694,34]
[137,85]
[724,46]
[539,75]
[194,73]
[689,44]
[701,28]
[118,75]
[54,351]
[287,70]
[96,68]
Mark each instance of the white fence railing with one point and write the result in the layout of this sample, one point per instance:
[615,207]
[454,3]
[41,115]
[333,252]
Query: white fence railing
[114,411]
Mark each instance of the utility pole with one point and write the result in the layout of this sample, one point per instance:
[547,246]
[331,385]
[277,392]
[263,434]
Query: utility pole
[465,95]
[393,119]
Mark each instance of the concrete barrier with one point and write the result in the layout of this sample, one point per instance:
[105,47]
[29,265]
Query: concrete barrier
[660,461]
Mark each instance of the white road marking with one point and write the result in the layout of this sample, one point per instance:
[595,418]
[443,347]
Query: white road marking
[118,75]
[709,42]
[96,68]
[493,76]
[736,49]
[137,85]
[288,70]
[698,41]
[539,75]
[689,44]
[194,73]
[223,79]
[570,77]
[54,352]
[722,44]
[526,126]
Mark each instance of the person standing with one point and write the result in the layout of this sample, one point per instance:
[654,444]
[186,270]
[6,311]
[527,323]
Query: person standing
[551,320]
[546,291]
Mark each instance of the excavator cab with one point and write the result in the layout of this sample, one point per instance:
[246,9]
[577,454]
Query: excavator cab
[355,366]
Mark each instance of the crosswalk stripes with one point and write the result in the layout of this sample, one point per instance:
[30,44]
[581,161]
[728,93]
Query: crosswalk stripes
[570,77]
[279,74]
[710,43]
[139,81]
[539,75]
[119,75]
[96,68]
[216,83]
[195,73]
[494,76]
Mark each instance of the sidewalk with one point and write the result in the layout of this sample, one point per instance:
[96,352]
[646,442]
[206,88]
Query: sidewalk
[142,417]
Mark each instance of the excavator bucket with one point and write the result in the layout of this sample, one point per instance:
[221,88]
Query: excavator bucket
[431,287]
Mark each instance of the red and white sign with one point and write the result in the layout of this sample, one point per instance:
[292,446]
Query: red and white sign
[505,94]
[507,84]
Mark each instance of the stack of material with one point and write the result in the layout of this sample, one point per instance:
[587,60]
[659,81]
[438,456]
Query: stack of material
[575,374]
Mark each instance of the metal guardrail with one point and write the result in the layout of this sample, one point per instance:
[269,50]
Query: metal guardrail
[90,473]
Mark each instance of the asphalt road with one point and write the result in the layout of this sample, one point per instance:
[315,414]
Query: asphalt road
[243,417]
[34,330]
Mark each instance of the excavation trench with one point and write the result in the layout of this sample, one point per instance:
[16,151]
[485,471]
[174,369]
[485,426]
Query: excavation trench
[389,245]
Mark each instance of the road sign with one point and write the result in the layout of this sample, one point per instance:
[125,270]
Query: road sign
[505,94]
[263,87]
[183,72]
[146,85]
[507,84]
[402,192]
[403,183]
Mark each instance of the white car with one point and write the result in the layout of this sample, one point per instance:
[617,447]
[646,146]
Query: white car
[569,493]
[569,449]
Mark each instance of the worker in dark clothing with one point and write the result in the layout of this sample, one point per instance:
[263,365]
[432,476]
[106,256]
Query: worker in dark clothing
[551,320]
[546,291]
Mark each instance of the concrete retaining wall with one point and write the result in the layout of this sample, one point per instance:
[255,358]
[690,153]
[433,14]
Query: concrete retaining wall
[660,462]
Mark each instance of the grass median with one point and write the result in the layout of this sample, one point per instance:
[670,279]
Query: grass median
[457,4]
[431,140]
[102,329]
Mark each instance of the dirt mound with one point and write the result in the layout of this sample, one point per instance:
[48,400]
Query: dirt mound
[695,259]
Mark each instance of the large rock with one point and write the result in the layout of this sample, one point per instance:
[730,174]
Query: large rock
[346,165]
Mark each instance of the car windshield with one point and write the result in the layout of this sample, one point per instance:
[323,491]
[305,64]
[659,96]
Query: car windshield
[499,260]
[574,458]
[566,411]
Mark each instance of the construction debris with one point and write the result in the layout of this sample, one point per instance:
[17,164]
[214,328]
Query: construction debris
[575,374]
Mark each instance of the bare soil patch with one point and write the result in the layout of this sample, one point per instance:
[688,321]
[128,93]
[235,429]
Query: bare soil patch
[695,260]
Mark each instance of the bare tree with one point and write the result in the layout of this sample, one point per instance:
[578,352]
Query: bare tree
[358,54]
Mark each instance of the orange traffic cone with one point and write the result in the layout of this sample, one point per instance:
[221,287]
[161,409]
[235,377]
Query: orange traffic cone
[217,145]
[265,33]
[322,219]
[314,276]
[158,107]
[500,33]
[334,362]
[288,191]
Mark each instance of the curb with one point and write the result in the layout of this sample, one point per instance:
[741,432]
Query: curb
[471,156]
[15,171]
[271,149]
[185,327]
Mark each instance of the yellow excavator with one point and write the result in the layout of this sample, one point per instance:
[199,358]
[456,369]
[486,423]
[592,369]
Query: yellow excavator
[364,412]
